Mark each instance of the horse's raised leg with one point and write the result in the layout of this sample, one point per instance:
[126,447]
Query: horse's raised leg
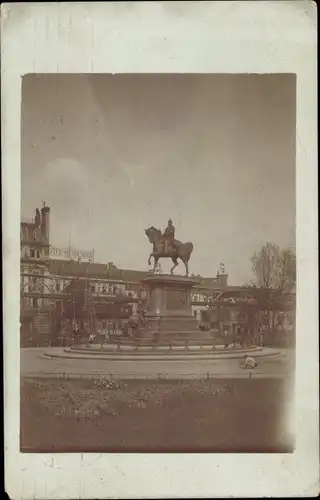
[149,260]
[175,263]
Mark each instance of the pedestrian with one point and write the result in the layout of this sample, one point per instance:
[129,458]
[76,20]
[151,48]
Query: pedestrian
[226,340]
[261,336]
[100,337]
[105,334]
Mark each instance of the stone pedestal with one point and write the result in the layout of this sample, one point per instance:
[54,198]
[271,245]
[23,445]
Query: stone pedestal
[169,315]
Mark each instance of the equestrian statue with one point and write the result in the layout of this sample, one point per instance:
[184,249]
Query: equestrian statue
[166,246]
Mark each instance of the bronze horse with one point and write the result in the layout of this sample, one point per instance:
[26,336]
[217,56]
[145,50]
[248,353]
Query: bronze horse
[178,250]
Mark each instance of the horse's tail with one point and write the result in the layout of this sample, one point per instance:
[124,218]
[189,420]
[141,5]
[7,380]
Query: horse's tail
[185,250]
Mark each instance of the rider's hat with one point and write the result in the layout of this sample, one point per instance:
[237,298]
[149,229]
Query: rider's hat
[170,221]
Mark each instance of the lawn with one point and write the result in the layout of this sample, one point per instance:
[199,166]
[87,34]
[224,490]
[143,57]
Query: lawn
[235,415]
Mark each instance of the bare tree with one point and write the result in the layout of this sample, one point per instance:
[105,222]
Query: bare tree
[265,265]
[274,270]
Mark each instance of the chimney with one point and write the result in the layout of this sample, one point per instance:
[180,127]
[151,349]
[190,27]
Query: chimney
[222,279]
[45,222]
[222,276]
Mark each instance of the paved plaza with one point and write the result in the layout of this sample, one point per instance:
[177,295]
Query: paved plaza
[36,363]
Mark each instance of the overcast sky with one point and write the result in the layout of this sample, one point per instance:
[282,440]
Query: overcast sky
[113,154]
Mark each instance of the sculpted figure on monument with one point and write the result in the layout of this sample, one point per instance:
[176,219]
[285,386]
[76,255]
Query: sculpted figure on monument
[136,321]
[168,236]
[166,246]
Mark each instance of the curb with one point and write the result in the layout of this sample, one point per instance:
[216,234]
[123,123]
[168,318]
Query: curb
[159,357]
[156,376]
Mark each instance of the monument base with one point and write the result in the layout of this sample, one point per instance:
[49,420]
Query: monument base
[169,317]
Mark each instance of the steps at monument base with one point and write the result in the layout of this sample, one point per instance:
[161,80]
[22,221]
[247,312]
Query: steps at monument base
[169,325]
[182,336]
[174,333]
[194,342]
[167,338]
[178,343]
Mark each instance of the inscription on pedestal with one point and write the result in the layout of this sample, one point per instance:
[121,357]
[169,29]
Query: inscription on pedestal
[176,300]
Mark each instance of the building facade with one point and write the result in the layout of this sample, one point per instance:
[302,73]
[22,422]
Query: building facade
[34,255]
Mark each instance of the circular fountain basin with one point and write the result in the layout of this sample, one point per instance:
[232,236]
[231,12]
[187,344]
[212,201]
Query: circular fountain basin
[174,353]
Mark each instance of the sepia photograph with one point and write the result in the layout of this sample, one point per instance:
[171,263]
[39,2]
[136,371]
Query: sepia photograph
[160,284]
[157,263]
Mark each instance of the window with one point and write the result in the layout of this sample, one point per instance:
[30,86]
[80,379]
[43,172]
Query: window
[38,254]
[32,253]
[57,287]
[34,285]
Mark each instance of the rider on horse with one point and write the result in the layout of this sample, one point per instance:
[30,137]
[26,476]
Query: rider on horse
[168,236]
[165,245]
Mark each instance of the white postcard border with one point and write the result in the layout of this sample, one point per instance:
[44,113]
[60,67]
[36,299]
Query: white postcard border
[221,37]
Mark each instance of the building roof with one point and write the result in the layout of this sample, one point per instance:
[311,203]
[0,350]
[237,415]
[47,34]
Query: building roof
[29,232]
[93,270]
[211,282]
[73,268]
[105,271]
[96,270]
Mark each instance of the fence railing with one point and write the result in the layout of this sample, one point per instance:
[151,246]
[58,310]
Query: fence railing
[152,376]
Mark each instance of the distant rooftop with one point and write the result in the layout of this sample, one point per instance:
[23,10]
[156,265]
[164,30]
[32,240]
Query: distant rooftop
[29,232]
[107,271]
[94,270]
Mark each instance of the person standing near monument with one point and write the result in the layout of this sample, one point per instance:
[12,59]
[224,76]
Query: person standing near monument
[261,335]
[105,334]
[226,337]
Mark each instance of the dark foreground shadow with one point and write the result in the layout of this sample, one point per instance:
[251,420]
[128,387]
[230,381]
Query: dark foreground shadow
[209,416]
